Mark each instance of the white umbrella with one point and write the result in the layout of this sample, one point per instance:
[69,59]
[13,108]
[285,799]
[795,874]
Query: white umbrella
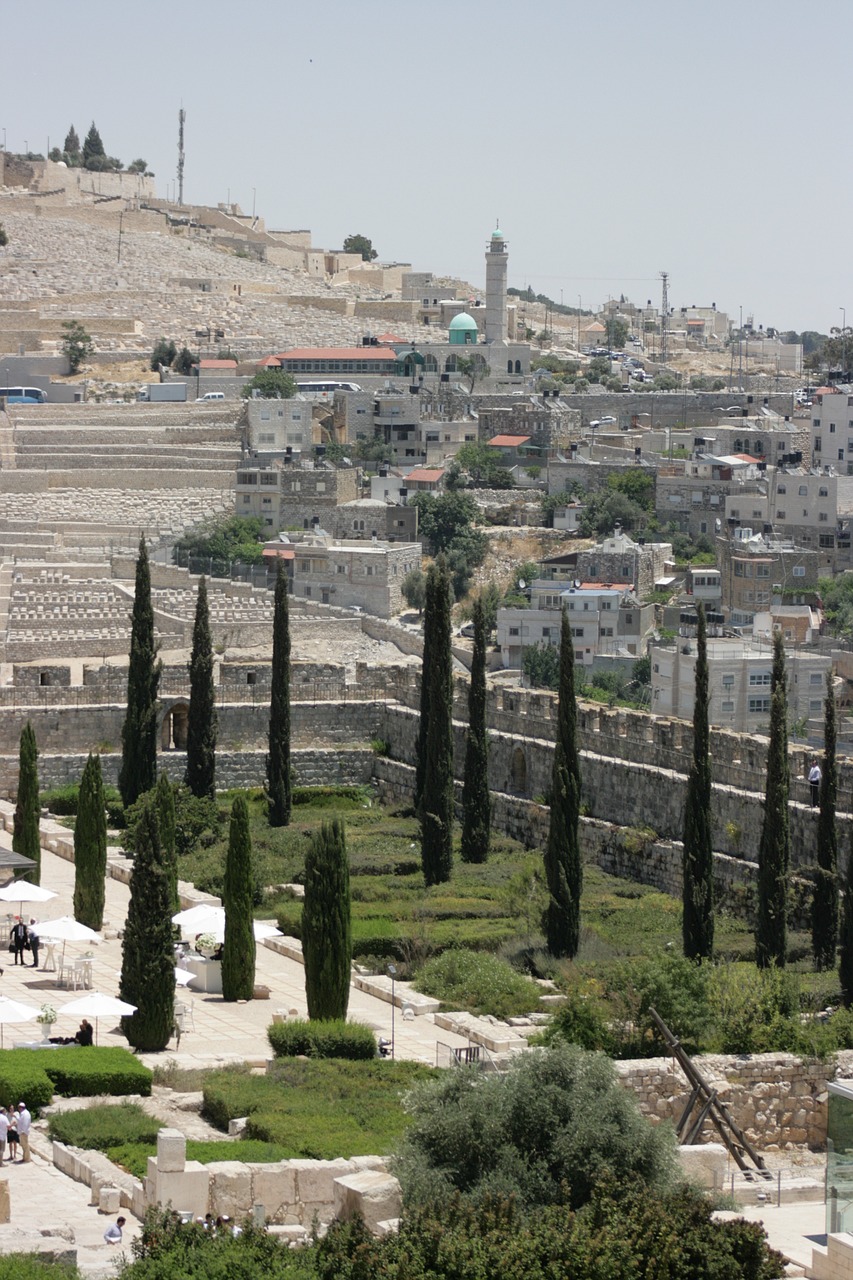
[95,1005]
[208,918]
[22,891]
[65,929]
[183,977]
[12,1011]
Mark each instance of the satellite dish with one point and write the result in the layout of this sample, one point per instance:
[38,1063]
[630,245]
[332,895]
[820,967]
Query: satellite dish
[521,584]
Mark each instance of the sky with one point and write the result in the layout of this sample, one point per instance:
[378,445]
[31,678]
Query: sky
[610,141]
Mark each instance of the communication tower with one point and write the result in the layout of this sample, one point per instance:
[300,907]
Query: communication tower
[182,115]
[664,315]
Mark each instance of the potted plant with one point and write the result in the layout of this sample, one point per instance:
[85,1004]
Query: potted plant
[47,1017]
[206,944]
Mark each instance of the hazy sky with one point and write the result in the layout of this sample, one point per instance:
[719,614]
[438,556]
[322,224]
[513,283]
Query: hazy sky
[611,139]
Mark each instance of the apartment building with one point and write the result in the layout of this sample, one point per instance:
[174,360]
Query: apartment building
[692,493]
[800,505]
[739,673]
[615,561]
[362,573]
[294,496]
[280,427]
[832,431]
[603,620]
[756,568]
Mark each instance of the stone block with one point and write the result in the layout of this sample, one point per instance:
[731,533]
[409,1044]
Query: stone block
[315,1180]
[5,1201]
[187,1190]
[237,1126]
[375,1196]
[230,1188]
[704,1164]
[274,1186]
[171,1151]
[109,1200]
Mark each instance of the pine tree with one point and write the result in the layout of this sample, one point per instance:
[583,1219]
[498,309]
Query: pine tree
[825,901]
[25,830]
[90,847]
[423,722]
[771,935]
[563,871]
[238,954]
[476,801]
[436,812]
[139,733]
[168,844]
[148,962]
[93,146]
[279,782]
[72,142]
[326,923]
[201,721]
[698,863]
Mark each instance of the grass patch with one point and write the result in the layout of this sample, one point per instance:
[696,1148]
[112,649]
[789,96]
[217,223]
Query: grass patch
[99,1128]
[318,1109]
[133,1156]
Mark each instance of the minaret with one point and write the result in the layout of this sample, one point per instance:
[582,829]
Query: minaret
[496,261]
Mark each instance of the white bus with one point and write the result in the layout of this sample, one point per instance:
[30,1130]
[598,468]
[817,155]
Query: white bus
[23,395]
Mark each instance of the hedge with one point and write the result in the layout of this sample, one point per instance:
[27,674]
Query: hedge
[72,1071]
[99,1128]
[63,802]
[331,1039]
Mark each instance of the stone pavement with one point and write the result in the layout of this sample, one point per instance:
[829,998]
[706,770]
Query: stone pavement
[794,1229]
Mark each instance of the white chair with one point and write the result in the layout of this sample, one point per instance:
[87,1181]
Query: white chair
[184,1016]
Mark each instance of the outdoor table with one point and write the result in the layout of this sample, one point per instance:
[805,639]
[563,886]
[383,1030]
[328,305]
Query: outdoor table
[207,973]
[35,1044]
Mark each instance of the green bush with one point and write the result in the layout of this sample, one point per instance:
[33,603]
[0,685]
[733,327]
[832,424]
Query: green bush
[63,802]
[23,1079]
[335,1038]
[29,1266]
[74,1072]
[99,1128]
[478,982]
[196,817]
[133,1156]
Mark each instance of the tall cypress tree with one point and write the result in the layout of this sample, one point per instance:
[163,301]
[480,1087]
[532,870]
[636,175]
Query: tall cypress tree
[279,783]
[845,964]
[771,935]
[426,693]
[201,721]
[138,772]
[326,925]
[25,830]
[165,796]
[436,813]
[476,801]
[90,847]
[238,953]
[698,864]
[148,962]
[825,901]
[563,870]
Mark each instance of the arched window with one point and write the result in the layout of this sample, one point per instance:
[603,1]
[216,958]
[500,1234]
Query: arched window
[518,781]
[173,736]
[518,366]
[509,366]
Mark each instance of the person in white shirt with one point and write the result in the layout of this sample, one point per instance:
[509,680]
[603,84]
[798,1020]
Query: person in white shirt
[814,783]
[112,1235]
[4,1129]
[24,1122]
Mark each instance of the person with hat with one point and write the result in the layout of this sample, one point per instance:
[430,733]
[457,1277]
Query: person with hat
[24,1122]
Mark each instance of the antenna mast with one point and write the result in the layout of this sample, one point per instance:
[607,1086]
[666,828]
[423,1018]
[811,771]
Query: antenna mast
[182,115]
[664,312]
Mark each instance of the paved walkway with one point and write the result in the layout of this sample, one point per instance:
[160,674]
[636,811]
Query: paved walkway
[794,1229]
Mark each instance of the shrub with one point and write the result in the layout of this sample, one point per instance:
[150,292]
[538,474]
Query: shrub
[334,1038]
[133,1156]
[29,1266]
[100,1128]
[479,982]
[676,987]
[23,1077]
[194,817]
[76,1072]
[582,1021]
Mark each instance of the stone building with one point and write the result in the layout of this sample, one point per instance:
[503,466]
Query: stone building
[280,428]
[346,572]
[615,561]
[755,568]
[297,496]
[604,621]
[693,493]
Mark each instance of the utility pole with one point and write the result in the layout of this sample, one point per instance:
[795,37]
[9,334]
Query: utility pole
[182,115]
[664,313]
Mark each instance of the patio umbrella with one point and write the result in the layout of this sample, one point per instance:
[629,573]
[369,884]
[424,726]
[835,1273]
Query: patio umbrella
[22,891]
[183,977]
[208,918]
[95,1005]
[65,929]
[12,1011]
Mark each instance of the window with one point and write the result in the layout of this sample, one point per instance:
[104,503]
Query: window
[832,428]
[759,705]
[607,604]
[546,633]
[827,540]
[629,619]
[823,517]
[818,444]
[823,492]
[577,632]
[513,631]
[250,677]
[803,490]
[340,568]
[798,571]
[762,571]
[246,499]
[815,677]
[728,706]
[759,678]
[728,682]
[266,502]
[781,488]
[814,705]
[780,515]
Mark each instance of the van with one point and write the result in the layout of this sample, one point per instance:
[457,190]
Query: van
[210,395]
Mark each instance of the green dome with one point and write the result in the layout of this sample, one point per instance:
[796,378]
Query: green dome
[463,321]
[497,235]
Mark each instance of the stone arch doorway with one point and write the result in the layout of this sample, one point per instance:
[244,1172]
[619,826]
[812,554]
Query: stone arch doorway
[173,735]
[518,777]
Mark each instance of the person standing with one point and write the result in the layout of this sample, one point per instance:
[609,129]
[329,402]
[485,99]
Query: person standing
[814,783]
[12,1134]
[34,944]
[19,939]
[112,1235]
[4,1129]
[24,1122]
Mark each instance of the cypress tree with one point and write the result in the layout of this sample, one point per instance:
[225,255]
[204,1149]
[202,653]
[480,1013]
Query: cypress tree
[238,954]
[72,142]
[148,963]
[476,801]
[25,830]
[165,796]
[93,146]
[845,964]
[825,901]
[279,793]
[436,813]
[563,871]
[771,933]
[90,847]
[423,722]
[698,865]
[326,926]
[138,772]
[201,721]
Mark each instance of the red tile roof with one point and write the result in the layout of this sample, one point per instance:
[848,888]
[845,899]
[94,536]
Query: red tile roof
[428,474]
[282,553]
[217,364]
[508,442]
[338,353]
